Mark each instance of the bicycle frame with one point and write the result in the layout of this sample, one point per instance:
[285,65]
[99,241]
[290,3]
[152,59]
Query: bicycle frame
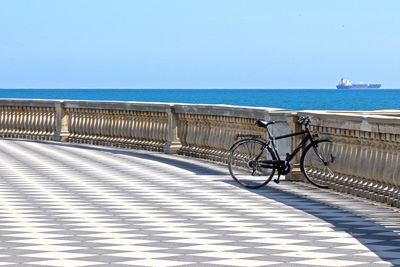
[283,165]
[299,146]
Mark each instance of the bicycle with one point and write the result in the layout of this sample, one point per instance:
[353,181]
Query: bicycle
[254,161]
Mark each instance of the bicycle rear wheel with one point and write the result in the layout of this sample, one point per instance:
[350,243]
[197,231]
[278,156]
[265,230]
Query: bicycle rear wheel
[316,163]
[246,164]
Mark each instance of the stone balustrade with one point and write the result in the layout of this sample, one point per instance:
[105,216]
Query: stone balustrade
[207,131]
[367,143]
[22,119]
[203,131]
[130,125]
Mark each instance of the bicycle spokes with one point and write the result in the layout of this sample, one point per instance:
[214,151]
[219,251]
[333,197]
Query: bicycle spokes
[245,164]
[317,161]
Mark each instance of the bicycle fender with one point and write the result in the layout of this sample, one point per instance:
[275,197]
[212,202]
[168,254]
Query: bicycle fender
[328,140]
[244,140]
[316,141]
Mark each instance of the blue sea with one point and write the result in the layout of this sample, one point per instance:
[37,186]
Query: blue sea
[294,99]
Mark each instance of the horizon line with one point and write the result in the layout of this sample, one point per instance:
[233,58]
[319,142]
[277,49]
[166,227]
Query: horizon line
[180,88]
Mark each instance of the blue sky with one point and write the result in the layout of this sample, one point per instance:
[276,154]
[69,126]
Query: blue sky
[198,43]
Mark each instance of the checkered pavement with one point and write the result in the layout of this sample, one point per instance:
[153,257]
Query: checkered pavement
[75,205]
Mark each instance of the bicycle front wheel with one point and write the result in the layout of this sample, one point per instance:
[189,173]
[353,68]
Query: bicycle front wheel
[247,164]
[316,163]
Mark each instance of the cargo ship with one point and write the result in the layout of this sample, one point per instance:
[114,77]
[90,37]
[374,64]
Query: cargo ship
[346,84]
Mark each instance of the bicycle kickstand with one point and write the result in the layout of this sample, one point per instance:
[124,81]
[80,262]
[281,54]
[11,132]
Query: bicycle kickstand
[276,180]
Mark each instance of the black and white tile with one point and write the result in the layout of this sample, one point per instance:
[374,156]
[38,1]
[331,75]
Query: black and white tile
[72,205]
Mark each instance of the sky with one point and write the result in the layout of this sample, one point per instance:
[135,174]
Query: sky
[198,43]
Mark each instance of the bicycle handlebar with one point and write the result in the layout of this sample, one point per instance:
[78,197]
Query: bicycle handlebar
[304,120]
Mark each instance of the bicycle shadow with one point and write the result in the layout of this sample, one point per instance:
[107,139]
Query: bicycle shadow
[375,227]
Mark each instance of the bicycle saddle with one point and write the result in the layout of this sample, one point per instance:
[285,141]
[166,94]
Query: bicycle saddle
[264,124]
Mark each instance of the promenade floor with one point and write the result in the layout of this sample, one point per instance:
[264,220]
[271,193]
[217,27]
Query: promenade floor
[71,205]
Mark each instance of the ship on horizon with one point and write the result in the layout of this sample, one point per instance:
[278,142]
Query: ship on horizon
[346,84]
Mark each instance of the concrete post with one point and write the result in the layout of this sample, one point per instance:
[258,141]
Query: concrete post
[295,174]
[61,134]
[173,142]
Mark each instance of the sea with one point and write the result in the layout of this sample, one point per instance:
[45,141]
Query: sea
[293,99]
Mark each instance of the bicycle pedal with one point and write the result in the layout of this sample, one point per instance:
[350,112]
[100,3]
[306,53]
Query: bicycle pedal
[276,181]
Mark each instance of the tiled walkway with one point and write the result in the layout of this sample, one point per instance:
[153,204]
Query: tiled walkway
[71,205]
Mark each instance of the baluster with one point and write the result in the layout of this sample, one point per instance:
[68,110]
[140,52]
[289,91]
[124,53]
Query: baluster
[48,126]
[90,125]
[6,121]
[12,122]
[108,126]
[96,128]
[2,121]
[74,124]
[131,129]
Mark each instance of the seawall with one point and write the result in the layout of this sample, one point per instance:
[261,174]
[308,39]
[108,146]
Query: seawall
[368,143]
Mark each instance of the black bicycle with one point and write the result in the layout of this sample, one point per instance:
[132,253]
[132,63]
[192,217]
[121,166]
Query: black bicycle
[253,161]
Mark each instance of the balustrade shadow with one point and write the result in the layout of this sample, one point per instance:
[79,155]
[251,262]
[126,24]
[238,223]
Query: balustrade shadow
[154,156]
[376,227]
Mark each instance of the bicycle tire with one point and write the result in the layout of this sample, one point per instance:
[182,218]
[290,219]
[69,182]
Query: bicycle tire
[245,164]
[316,162]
